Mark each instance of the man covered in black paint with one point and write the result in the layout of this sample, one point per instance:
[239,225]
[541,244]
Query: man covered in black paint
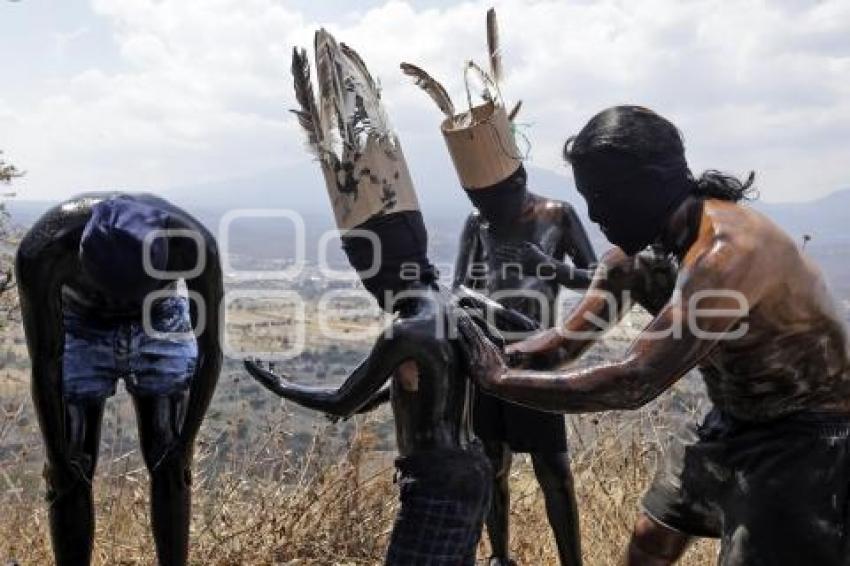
[97,279]
[444,474]
[504,251]
[733,296]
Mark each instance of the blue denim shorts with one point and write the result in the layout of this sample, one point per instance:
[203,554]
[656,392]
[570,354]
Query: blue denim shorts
[97,353]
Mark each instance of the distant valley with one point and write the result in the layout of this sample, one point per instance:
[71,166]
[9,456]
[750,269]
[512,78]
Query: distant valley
[299,188]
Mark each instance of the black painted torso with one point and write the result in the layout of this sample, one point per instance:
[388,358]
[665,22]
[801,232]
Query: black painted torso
[547,223]
[432,411]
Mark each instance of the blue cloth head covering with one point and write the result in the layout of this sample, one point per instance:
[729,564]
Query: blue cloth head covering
[112,247]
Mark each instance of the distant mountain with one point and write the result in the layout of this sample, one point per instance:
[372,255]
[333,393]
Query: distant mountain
[300,188]
[824,218]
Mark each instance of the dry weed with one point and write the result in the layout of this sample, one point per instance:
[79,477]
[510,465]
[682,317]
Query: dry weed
[265,504]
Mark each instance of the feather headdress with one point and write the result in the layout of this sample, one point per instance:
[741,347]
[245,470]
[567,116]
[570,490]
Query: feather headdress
[486,84]
[480,140]
[348,131]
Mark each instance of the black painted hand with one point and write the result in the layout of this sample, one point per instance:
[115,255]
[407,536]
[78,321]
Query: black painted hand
[518,360]
[271,381]
[533,259]
[490,331]
[484,360]
[503,319]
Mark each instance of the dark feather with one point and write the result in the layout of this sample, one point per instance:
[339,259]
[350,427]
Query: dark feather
[493,48]
[308,115]
[514,111]
[434,89]
[357,61]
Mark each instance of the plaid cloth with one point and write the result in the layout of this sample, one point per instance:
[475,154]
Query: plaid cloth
[444,499]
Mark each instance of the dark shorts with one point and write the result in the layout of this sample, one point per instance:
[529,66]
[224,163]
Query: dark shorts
[444,497]
[98,352]
[521,428]
[775,493]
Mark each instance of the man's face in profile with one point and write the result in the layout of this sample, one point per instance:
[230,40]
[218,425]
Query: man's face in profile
[619,211]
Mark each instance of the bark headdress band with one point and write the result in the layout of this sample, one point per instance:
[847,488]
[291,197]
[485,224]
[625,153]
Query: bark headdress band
[348,132]
[480,140]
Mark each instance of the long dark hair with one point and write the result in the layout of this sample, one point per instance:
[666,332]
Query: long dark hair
[642,134]
[719,185]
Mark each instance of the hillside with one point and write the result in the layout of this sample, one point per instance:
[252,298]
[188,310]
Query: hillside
[274,484]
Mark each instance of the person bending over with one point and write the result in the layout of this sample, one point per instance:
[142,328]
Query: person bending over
[97,279]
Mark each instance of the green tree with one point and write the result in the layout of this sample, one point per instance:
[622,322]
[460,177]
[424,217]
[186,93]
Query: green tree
[8,240]
[7,171]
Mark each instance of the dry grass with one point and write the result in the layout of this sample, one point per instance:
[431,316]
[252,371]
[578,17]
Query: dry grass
[261,498]
[266,505]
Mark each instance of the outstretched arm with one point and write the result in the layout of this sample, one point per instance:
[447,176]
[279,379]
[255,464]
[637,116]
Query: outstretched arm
[710,300]
[505,319]
[601,307]
[356,391]
[378,399]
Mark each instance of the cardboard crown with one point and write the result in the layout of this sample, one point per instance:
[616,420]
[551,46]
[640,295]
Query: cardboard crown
[482,146]
[347,130]
[369,183]
[481,140]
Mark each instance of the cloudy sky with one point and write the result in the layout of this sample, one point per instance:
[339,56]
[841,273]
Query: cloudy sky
[162,93]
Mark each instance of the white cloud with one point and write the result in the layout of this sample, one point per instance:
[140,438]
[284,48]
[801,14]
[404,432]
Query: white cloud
[62,39]
[204,86]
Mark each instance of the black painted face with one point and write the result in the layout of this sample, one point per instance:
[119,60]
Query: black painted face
[630,201]
[626,217]
[501,204]
[401,259]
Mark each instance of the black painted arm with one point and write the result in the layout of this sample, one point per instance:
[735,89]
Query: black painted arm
[505,319]
[39,274]
[209,286]
[649,367]
[358,390]
[681,335]
[602,306]
[576,275]
[378,399]
[468,252]
[566,274]
[538,263]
